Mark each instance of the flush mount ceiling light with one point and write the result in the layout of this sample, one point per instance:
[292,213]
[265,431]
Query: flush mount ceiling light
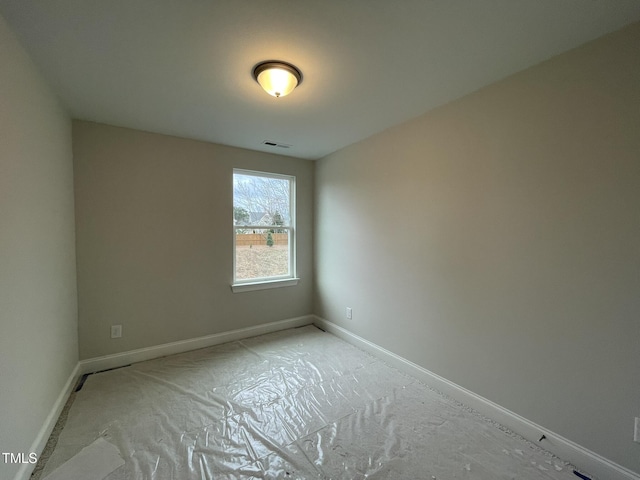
[277,78]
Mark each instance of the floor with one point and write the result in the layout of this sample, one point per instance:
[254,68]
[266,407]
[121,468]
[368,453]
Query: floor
[300,403]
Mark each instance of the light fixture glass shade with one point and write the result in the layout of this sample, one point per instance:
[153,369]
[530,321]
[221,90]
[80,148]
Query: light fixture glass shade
[277,78]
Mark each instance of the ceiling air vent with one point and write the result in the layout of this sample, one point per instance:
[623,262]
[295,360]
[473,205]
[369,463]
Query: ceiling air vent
[269,143]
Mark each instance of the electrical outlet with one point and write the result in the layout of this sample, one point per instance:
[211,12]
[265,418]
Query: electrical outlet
[116,331]
[349,313]
[636,431]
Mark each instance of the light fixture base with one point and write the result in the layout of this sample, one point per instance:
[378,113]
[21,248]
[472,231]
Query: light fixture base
[276,77]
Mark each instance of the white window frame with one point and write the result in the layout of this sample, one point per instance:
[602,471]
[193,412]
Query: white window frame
[240,285]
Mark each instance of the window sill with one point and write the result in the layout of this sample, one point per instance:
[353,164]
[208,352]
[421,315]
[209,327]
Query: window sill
[263,285]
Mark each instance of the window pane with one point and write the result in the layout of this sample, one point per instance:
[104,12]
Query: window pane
[261,200]
[261,253]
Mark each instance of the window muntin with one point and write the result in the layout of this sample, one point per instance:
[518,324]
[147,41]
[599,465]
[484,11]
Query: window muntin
[263,222]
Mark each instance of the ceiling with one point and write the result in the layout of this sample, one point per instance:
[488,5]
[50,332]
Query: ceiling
[183,67]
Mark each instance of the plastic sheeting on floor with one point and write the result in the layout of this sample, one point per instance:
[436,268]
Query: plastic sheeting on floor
[294,404]
[94,462]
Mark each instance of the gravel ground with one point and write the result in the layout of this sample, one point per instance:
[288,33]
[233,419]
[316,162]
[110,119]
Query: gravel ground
[261,261]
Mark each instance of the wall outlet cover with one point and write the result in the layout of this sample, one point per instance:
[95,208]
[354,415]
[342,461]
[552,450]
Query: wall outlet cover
[116,331]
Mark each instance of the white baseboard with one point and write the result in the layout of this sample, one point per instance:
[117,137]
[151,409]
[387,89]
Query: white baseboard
[24,472]
[565,449]
[125,358]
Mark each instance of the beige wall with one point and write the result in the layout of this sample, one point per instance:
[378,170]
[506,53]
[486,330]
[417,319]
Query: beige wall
[154,239]
[38,339]
[496,242]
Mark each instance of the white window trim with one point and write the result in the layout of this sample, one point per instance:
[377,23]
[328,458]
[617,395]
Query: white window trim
[264,284]
[290,280]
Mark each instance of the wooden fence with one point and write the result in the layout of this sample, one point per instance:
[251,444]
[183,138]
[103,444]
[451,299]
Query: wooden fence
[247,239]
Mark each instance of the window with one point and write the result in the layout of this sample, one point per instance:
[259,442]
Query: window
[264,230]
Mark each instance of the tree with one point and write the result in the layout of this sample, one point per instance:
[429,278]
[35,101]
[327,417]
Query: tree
[241,216]
[269,240]
[277,220]
[253,193]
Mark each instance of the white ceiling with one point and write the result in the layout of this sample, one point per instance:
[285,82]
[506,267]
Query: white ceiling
[183,67]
